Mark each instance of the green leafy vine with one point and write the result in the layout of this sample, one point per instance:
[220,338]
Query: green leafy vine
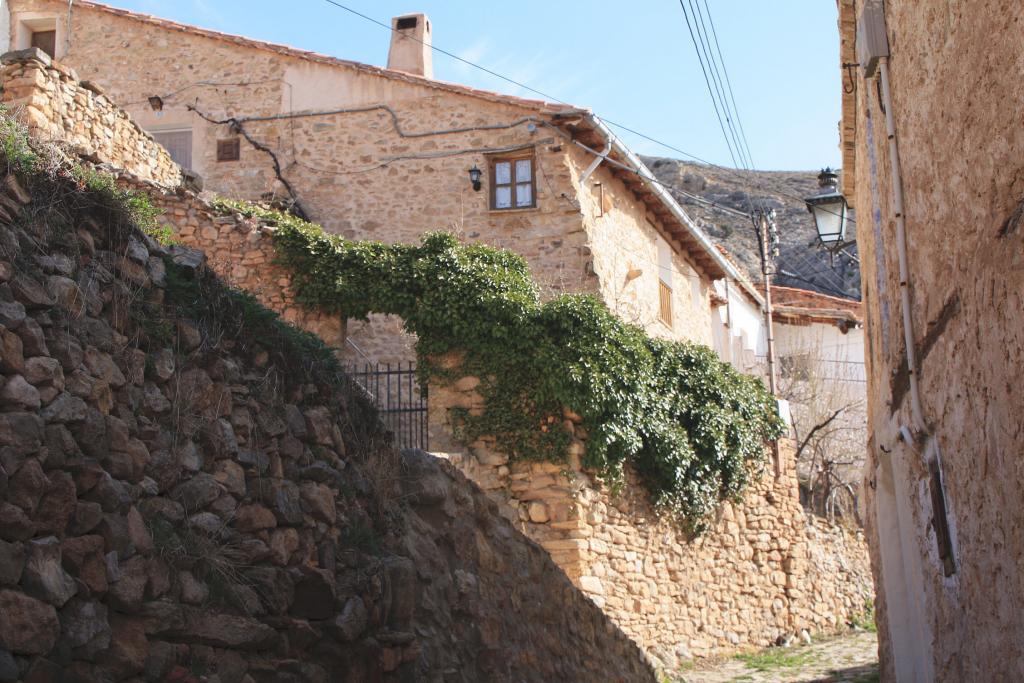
[693,428]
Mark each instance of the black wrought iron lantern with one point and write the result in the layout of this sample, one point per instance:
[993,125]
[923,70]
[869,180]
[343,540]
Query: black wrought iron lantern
[475,175]
[830,210]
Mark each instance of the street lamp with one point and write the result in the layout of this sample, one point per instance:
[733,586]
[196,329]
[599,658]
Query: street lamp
[829,209]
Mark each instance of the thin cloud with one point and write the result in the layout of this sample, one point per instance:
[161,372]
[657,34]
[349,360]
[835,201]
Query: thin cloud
[200,11]
[541,70]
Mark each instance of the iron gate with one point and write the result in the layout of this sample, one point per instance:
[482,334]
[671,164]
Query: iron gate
[397,394]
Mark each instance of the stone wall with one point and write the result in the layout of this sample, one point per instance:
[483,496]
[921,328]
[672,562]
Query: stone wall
[762,571]
[180,507]
[389,173]
[624,244]
[963,198]
[240,251]
[57,106]
[742,585]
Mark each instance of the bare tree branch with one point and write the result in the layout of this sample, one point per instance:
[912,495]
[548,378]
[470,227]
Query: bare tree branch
[818,427]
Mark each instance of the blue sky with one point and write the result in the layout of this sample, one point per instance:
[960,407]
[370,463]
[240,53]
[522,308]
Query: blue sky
[631,62]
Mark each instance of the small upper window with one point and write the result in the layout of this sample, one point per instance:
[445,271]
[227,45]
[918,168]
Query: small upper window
[512,184]
[664,282]
[228,149]
[178,143]
[45,41]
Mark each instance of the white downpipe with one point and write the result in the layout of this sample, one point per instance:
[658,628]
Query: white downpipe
[595,163]
[901,247]
[636,165]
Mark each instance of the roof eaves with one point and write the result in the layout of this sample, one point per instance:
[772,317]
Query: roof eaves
[722,267]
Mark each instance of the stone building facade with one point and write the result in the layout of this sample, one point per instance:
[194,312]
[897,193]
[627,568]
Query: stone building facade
[374,153]
[932,144]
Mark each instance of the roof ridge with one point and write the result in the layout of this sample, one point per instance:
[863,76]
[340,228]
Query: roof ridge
[329,60]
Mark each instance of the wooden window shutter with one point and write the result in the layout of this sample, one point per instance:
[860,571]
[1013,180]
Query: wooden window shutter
[228,149]
[45,41]
[665,302]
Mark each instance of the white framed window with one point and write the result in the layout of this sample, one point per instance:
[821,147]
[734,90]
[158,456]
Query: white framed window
[512,185]
[178,143]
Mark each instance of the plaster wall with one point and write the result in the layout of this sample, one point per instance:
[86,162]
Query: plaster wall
[740,321]
[833,356]
[5,26]
[955,69]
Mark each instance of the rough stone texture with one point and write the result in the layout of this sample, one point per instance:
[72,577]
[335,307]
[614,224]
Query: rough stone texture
[358,176]
[56,106]
[762,571]
[240,251]
[598,549]
[963,195]
[307,562]
[27,626]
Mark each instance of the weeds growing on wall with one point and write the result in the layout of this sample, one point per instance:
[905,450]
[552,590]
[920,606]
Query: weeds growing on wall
[691,426]
[89,189]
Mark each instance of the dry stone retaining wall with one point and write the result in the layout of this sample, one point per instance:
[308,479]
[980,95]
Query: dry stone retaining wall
[57,106]
[172,508]
[763,570]
[240,251]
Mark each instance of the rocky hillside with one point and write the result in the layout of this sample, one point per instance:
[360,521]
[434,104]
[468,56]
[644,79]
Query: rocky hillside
[801,262]
[190,490]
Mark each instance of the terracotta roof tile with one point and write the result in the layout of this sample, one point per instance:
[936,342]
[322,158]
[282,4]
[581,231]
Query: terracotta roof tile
[806,298]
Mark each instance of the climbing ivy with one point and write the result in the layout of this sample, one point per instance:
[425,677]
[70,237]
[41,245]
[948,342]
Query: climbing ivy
[693,428]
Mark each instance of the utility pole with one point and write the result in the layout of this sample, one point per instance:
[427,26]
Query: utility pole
[768,239]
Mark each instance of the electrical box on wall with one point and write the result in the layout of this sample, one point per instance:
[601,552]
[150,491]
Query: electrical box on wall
[872,41]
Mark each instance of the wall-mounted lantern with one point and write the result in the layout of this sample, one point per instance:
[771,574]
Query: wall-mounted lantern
[830,210]
[475,174]
[156,103]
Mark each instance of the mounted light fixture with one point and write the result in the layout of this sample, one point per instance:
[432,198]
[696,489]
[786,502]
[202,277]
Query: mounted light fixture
[830,210]
[156,103]
[475,174]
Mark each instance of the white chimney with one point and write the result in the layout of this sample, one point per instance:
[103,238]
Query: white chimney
[410,45]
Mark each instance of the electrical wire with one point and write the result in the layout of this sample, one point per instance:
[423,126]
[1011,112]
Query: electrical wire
[728,82]
[211,84]
[552,98]
[716,76]
[707,81]
[710,64]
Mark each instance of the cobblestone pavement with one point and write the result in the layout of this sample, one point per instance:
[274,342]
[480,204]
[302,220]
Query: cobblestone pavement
[851,658]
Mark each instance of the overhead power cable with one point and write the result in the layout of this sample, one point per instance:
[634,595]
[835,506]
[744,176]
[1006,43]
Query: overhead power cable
[716,76]
[707,81]
[552,98]
[728,83]
[716,86]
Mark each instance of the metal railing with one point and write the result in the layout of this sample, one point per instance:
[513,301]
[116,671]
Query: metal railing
[399,398]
